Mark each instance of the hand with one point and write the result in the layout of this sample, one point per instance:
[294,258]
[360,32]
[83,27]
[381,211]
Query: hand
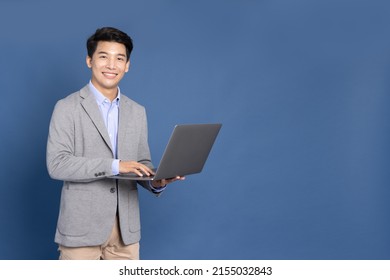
[163,182]
[135,167]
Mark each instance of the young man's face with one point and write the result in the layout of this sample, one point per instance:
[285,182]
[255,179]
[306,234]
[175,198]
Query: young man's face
[108,64]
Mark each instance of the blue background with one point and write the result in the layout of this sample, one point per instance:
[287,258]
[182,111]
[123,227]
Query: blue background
[300,169]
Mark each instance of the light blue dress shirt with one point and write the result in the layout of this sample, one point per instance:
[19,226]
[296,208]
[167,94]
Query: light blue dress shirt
[110,114]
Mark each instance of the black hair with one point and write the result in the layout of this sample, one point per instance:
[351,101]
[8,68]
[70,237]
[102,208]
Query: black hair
[109,34]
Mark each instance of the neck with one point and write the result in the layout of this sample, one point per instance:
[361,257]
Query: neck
[109,93]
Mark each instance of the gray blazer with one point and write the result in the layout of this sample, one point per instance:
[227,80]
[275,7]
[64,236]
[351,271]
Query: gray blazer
[79,153]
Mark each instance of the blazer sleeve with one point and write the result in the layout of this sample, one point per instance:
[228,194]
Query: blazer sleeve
[61,162]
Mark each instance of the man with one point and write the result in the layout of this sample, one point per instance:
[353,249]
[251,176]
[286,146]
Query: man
[95,133]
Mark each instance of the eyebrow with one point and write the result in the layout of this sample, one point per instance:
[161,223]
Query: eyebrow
[120,54]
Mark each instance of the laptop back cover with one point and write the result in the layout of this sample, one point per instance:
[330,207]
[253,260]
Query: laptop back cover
[187,150]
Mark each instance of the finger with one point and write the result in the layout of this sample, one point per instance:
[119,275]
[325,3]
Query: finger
[164,182]
[138,172]
[177,178]
[168,181]
[145,169]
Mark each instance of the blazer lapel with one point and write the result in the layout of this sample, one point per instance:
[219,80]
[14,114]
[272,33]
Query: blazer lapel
[124,117]
[90,106]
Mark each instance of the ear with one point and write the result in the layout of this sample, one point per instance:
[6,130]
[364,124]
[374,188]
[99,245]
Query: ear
[88,61]
[127,66]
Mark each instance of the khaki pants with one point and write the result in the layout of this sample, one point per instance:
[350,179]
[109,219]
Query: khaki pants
[112,249]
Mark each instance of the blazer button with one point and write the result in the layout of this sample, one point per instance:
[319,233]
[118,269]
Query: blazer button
[112,190]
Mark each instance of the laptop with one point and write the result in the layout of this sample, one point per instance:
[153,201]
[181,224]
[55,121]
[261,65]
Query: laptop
[186,152]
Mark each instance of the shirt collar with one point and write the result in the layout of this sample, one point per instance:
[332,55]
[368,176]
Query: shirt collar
[100,98]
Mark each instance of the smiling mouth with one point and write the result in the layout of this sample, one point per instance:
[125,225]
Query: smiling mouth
[109,75]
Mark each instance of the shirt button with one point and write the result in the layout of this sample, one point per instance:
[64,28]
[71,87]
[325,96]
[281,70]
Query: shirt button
[112,190]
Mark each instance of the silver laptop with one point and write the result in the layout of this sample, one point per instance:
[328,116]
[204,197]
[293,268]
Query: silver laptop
[185,154]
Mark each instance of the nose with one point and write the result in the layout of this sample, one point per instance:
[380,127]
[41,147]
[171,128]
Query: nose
[110,64]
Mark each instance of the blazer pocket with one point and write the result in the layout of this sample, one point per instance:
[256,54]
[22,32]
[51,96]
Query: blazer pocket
[134,215]
[75,212]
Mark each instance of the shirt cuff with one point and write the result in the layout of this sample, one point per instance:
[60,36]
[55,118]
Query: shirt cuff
[156,190]
[115,167]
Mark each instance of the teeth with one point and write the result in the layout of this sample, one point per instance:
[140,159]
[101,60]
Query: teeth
[109,74]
